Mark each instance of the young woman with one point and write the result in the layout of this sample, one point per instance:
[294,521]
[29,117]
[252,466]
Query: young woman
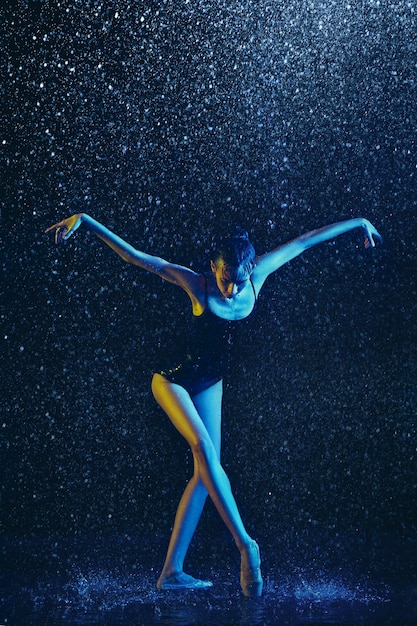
[190,389]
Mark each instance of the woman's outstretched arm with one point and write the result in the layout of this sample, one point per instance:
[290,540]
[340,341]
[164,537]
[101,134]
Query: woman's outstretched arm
[271,261]
[177,274]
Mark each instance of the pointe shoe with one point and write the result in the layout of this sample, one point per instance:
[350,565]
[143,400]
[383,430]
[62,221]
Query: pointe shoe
[180,580]
[250,572]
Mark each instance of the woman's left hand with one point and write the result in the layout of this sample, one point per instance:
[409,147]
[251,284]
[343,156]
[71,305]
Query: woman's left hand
[371,234]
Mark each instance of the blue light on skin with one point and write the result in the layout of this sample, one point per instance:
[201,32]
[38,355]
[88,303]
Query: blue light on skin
[227,287]
[199,420]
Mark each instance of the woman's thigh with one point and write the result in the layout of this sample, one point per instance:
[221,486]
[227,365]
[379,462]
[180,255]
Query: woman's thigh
[209,407]
[179,407]
[197,419]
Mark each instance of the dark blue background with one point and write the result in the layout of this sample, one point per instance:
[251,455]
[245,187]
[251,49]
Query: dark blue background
[171,123]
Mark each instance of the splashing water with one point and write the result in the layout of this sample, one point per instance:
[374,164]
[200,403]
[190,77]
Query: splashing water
[333,591]
[99,595]
[322,589]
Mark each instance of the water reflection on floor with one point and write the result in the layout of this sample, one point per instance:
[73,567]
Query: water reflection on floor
[103,580]
[105,598]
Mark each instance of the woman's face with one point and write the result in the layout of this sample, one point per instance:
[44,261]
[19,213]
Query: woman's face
[228,287]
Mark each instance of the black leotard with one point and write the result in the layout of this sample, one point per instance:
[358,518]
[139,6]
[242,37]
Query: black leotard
[206,355]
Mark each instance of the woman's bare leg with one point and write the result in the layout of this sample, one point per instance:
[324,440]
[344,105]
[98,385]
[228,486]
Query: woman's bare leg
[208,405]
[183,413]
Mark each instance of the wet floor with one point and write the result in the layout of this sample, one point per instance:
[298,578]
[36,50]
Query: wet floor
[104,598]
[84,592]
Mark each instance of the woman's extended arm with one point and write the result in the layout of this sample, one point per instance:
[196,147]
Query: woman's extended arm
[177,274]
[268,263]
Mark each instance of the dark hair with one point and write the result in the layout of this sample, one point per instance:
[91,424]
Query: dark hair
[236,252]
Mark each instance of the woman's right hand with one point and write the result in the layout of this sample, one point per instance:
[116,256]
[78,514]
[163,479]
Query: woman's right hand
[66,228]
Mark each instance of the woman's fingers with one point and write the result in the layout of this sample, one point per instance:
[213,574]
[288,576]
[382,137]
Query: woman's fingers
[60,234]
[64,228]
[48,230]
[61,231]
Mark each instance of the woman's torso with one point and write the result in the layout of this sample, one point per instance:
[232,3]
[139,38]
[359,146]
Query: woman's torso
[206,347]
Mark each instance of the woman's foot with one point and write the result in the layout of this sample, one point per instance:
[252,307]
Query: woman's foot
[180,580]
[250,571]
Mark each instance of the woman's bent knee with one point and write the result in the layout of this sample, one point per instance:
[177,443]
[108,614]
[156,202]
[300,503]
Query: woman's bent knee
[204,451]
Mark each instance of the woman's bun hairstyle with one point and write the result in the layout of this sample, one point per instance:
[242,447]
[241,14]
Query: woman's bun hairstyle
[240,233]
